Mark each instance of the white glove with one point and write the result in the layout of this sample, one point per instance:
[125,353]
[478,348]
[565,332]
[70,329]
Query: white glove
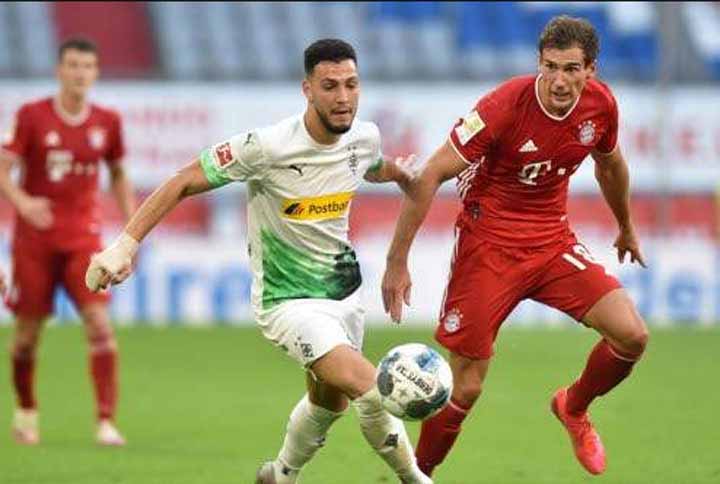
[113,265]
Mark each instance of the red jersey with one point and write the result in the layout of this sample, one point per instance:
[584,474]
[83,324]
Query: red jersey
[61,155]
[521,157]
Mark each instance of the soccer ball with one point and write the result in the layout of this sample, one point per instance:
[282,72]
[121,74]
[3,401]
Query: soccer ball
[414,381]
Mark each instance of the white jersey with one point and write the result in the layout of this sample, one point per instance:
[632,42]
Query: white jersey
[299,197]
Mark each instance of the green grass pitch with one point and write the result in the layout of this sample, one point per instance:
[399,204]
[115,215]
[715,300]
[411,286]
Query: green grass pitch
[207,406]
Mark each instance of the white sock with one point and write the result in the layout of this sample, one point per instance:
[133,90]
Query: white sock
[306,431]
[386,434]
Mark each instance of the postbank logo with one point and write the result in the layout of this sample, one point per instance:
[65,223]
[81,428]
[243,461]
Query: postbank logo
[317,208]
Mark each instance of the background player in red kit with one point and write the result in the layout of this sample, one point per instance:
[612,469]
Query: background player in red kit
[59,142]
[513,156]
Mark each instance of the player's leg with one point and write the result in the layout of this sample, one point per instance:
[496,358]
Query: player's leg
[439,433]
[485,285]
[625,337]
[308,426]
[348,370]
[102,346]
[25,342]
[30,299]
[325,336]
[576,284]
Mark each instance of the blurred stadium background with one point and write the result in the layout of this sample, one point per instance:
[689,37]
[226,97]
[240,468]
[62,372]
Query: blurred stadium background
[187,74]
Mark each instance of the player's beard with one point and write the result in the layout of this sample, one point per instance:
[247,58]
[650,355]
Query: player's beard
[331,128]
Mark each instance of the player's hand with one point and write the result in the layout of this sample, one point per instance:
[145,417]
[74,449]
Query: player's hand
[113,265]
[36,211]
[627,242]
[396,285]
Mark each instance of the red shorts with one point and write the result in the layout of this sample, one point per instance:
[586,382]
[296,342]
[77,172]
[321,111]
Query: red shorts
[39,266]
[487,282]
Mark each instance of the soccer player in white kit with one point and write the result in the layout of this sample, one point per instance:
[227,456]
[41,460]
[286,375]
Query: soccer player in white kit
[301,175]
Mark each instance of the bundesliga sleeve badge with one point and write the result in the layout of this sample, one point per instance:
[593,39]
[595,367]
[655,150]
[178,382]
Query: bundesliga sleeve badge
[471,125]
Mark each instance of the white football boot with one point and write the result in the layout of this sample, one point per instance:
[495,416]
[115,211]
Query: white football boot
[25,427]
[108,435]
[266,474]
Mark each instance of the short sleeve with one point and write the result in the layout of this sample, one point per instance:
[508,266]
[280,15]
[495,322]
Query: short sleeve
[238,159]
[609,140]
[474,135]
[116,148]
[17,139]
[376,156]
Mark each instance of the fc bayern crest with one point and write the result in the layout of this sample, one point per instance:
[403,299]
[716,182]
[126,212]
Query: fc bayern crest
[587,132]
[451,321]
[96,138]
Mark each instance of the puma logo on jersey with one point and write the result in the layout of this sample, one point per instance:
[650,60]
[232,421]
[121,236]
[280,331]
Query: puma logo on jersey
[317,208]
[297,168]
[528,147]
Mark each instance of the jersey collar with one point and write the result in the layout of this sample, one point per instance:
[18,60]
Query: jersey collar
[547,113]
[70,119]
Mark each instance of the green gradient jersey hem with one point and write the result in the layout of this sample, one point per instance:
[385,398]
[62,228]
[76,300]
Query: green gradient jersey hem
[215,177]
[290,273]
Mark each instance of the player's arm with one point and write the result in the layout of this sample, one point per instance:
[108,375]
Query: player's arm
[122,189]
[113,265]
[613,176]
[238,159]
[34,210]
[401,171]
[444,164]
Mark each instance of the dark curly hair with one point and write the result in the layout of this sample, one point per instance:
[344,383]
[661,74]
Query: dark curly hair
[333,50]
[565,32]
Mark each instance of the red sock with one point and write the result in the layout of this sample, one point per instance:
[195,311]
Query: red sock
[23,379]
[438,435]
[103,368]
[606,368]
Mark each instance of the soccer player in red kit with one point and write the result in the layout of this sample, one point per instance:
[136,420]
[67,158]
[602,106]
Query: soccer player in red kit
[513,155]
[59,142]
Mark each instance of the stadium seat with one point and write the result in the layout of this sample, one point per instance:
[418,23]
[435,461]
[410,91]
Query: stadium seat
[475,29]
[7,64]
[121,30]
[37,45]
[703,21]
[177,37]
[632,29]
[347,21]
[266,50]
[224,44]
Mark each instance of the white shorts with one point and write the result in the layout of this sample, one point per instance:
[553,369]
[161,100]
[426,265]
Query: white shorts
[309,328]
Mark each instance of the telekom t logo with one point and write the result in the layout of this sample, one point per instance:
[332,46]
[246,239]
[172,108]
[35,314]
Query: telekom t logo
[531,171]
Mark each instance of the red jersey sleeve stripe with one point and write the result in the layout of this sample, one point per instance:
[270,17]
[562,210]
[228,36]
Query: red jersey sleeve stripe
[456,150]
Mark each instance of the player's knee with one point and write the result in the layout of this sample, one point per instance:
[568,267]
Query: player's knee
[637,341]
[27,337]
[467,391]
[100,338]
[355,383]
[633,342]
[24,348]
